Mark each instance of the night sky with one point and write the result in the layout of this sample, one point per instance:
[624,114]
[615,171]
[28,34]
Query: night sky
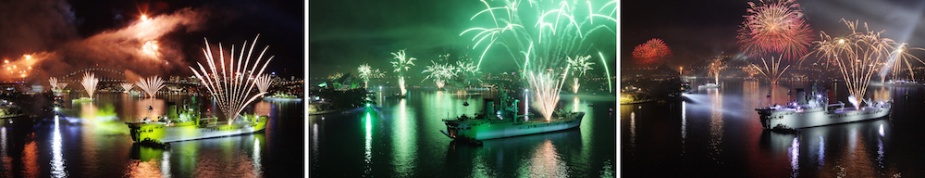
[695,30]
[345,34]
[64,27]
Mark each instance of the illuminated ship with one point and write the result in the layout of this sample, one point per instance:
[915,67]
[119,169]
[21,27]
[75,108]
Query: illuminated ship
[813,110]
[898,83]
[492,124]
[189,126]
[10,110]
[279,96]
[709,85]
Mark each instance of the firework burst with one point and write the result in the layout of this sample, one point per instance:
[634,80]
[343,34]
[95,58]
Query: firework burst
[401,65]
[53,82]
[581,65]
[89,83]
[440,73]
[716,66]
[857,56]
[263,82]
[775,26]
[898,60]
[546,87]
[468,71]
[540,34]
[651,52]
[772,71]
[151,85]
[230,87]
[126,87]
[365,73]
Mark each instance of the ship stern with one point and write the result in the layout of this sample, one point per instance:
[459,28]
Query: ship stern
[146,131]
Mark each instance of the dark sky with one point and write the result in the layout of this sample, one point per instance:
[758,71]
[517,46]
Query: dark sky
[343,34]
[60,25]
[695,30]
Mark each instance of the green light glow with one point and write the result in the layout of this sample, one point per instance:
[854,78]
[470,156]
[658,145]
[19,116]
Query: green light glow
[539,32]
[369,139]
[403,139]
[401,64]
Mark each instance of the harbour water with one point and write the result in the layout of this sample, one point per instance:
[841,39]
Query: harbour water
[401,138]
[716,132]
[91,140]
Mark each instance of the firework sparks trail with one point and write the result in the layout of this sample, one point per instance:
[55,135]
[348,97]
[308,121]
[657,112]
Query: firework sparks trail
[540,34]
[53,82]
[263,82]
[365,73]
[546,91]
[151,85]
[401,65]
[440,73]
[857,56]
[89,83]
[651,52]
[126,87]
[900,58]
[467,70]
[581,65]
[230,88]
[775,26]
[606,72]
[716,66]
[773,71]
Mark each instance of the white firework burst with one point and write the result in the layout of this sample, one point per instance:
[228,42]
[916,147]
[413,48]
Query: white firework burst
[151,85]
[228,84]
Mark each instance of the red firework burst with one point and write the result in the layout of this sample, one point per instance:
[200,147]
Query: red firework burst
[775,27]
[651,52]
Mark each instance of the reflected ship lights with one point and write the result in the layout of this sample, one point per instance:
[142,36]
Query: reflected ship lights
[57,161]
[369,140]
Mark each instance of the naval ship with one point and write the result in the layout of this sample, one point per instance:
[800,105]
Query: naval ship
[499,122]
[181,124]
[814,110]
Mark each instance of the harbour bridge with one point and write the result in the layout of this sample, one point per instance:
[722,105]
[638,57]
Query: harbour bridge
[115,76]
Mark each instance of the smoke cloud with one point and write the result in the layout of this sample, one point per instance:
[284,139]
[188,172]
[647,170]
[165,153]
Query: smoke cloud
[40,41]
